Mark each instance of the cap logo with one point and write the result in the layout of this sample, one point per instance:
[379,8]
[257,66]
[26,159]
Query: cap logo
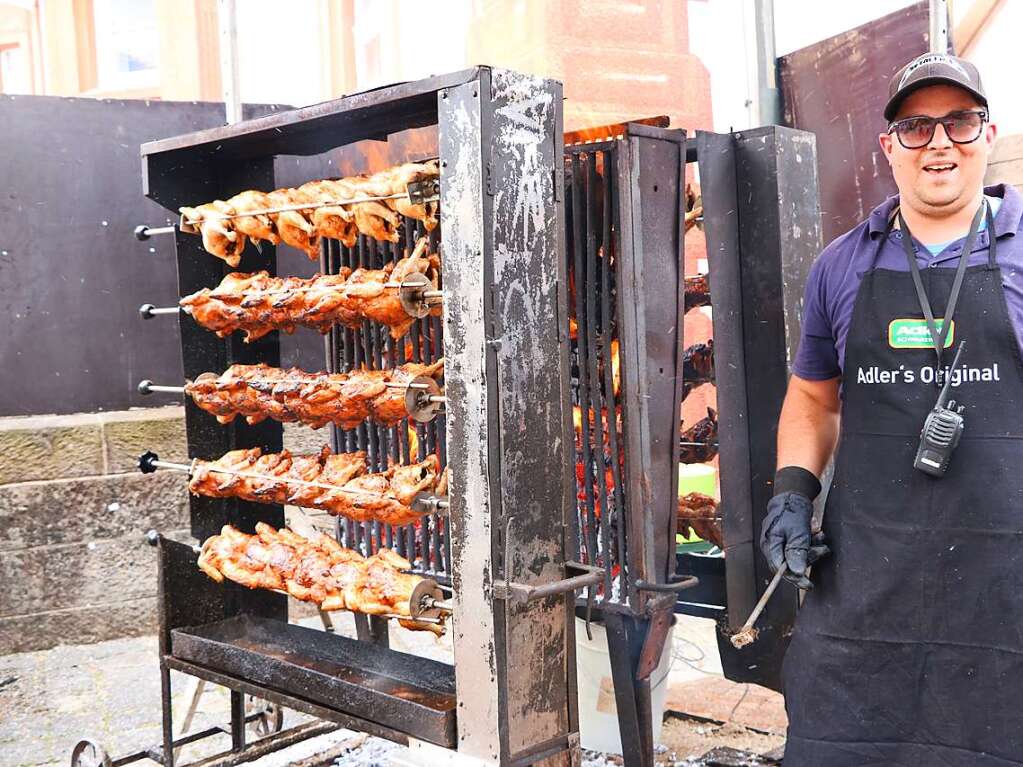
[933,58]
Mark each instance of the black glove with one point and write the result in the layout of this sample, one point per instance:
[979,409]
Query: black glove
[786,536]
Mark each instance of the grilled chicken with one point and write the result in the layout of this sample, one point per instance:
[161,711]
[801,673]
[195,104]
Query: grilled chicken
[700,441]
[317,570]
[256,227]
[697,291]
[257,392]
[697,366]
[258,303]
[338,484]
[337,208]
[698,513]
[219,235]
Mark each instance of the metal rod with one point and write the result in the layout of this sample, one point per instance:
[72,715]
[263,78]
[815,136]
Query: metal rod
[593,391]
[586,534]
[307,206]
[250,475]
[608,251]
[148,387]
[148,311]
[143,232]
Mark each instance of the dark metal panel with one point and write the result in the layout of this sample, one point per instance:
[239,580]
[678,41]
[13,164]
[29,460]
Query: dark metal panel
[650,294]
[716,153]
[847,119]
[72,276]
[404,692]
[186,595]
[779,239]
[762,223]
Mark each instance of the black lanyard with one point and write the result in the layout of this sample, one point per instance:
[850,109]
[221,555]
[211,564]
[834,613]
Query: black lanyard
[953,298]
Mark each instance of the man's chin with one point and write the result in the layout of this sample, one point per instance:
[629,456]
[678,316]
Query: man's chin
[940,198]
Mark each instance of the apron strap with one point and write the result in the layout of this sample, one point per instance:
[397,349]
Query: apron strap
[992,240]
[953,298]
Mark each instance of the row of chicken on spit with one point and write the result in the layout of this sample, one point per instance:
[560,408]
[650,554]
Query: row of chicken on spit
[339,209]
[318,570]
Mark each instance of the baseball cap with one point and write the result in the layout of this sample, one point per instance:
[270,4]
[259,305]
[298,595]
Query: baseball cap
[933,69]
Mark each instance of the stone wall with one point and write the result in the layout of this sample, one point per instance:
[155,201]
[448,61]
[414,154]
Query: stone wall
[74,511]
[1005,166]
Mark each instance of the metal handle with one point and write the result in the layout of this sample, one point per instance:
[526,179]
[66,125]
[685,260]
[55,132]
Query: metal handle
[686,582]
[521,592]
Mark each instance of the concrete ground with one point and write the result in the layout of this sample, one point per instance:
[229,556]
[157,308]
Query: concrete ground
[110,692]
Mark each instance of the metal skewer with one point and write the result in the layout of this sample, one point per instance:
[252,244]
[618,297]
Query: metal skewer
[149,462]
[414,193]
[148,311]
[148,387]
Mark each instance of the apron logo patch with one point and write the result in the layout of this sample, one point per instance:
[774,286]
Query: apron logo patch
[905,333]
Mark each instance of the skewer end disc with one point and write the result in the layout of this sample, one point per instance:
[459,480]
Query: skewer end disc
[425,588]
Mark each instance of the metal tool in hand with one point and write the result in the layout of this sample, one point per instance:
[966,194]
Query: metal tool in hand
[747,634]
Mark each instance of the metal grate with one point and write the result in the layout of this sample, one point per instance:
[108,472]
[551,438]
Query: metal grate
[593,232]
[425,543]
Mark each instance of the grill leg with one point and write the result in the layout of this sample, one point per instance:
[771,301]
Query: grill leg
[371,628]
[168,717]
[625,638]
[237,720]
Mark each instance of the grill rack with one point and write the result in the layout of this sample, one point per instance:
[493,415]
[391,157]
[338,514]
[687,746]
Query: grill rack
[428,548]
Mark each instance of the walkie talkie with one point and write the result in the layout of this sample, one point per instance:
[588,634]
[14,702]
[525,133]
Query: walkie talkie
[942,430]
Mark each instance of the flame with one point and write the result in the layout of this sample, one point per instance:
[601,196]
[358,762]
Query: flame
[413,443]
[413,145]
[616,367]
[604,132]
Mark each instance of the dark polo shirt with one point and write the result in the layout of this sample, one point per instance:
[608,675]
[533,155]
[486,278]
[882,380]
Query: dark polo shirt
[836,274]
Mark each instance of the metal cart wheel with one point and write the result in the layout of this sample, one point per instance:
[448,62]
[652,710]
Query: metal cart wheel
[89,753]
[271,716]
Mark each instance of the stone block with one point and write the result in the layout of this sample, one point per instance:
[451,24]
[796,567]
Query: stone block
[47,447]
[129,433]
[48,578]
[79,625]
[64,511]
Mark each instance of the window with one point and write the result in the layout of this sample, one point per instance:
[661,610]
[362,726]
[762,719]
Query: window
[127,44]
[14,72]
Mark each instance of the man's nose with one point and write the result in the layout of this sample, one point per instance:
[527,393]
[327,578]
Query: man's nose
[940,139]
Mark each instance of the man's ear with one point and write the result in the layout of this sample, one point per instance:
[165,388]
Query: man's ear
[991,135]
[885,140]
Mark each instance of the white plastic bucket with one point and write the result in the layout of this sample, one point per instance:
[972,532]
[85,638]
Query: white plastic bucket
[598,715]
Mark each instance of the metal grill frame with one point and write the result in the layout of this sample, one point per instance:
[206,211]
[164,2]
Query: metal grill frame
[641,215]
[502,251]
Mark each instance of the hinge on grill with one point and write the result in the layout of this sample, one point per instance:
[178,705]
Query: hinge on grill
[490,179]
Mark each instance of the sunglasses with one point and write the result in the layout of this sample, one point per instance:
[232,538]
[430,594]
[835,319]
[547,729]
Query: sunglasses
[960,127]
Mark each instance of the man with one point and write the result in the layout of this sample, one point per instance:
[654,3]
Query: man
[909,651]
